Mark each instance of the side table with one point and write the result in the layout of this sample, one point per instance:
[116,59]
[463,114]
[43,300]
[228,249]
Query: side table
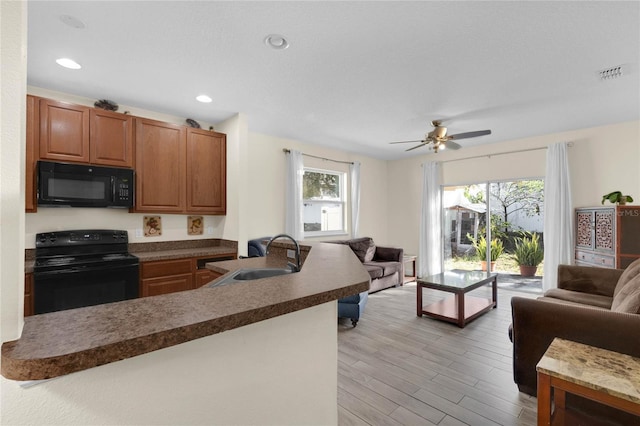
[604,376]
[410,258]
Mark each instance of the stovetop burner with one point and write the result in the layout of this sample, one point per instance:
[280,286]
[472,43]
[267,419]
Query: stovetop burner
[84,248]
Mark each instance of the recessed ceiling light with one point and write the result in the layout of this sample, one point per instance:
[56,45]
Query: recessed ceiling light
[72,21]
[203,98]
[276,41]
[68,63]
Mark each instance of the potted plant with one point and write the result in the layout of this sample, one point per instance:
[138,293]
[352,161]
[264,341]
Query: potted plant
[616,197]
[481,249]
[528,254]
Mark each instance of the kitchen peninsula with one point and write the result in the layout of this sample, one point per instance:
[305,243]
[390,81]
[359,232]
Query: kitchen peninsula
[278,350]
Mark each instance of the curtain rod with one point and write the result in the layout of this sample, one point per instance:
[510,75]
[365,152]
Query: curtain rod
[569,144]
[287,151]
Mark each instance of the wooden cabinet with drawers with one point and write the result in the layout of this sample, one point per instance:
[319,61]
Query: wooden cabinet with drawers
[165,276]
[169,276]
[607,236]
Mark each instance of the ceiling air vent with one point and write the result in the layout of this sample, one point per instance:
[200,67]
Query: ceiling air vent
[613,72]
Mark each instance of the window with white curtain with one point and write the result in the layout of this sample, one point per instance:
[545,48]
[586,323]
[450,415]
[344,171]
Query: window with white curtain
[324,200]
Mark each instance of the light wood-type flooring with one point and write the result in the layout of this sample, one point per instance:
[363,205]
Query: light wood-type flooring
[396,368]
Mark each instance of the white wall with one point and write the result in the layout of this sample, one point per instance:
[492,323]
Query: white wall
[282,371]
[13,34]
[602,159]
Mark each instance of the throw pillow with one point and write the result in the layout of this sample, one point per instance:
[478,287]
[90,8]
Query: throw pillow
[361,247]
[629,273]
[628,299]
[631,304]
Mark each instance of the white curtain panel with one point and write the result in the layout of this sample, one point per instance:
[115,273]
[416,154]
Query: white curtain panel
[558,215]
[294,221]
[430,245]
[354,172]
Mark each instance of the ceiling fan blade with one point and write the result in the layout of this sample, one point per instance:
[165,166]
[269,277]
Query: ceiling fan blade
[417,146]
[452,145]
[407,142]
[470,134]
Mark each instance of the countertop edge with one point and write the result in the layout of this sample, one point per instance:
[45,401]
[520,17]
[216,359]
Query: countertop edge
[25,367]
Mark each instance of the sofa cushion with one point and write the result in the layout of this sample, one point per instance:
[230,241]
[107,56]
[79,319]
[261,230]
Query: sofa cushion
[629,273]
[388,268]
[579,298]
[364,248]
[374,270]
[628,299]
[583,285]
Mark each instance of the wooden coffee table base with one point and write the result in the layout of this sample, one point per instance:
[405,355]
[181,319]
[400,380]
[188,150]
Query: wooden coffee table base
[448,309]
[461,308]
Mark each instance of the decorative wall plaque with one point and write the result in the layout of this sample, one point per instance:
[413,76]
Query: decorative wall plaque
[195,225]
[152,226]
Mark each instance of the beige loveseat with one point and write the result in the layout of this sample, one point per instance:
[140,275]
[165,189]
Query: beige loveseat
[594,306]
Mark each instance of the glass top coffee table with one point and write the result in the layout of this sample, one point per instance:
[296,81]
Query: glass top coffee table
[459,309]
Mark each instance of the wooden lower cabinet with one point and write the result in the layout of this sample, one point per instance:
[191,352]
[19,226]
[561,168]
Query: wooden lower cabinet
[205,276]
[28,294]
[169,276]
[165,285]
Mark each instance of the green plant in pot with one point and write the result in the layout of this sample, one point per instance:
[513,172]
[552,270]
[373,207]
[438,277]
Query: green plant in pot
[528,254]
[480,244]
[616,197]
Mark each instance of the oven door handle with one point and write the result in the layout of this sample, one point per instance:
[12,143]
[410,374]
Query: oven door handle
[81,268]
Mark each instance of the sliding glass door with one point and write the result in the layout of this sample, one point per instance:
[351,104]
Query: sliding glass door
[494,226]
[464,221]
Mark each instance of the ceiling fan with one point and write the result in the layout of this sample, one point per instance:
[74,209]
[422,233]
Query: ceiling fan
[439,138]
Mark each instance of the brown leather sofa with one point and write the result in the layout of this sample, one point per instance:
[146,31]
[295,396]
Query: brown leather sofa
[594,306]
[385,265]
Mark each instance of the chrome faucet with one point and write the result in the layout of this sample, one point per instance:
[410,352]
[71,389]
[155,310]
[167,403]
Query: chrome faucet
[294,267]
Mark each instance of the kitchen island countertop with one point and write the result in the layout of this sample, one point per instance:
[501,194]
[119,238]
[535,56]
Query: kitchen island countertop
[64,342]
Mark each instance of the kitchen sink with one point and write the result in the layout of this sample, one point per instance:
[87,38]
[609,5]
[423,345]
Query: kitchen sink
[254,274]
[248,274]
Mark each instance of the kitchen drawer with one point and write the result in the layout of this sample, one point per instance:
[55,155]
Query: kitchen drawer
[165,285]
[595,259]
[163,268]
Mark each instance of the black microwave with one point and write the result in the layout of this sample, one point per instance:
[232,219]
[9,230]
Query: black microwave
[81,185]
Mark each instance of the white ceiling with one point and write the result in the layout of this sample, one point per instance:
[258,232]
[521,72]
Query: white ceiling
[357,75]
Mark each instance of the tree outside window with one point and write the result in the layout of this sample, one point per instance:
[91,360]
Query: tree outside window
[324,201]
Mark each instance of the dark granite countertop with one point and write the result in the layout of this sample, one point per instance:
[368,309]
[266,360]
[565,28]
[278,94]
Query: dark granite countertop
[64,342]
[166,250]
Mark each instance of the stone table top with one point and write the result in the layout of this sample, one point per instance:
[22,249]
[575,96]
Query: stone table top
[594,368]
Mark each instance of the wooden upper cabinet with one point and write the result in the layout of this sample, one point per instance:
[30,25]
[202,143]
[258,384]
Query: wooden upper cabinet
[206,172]
[32,149]
[81,134]
[64,131]
[160,166]
[111,138]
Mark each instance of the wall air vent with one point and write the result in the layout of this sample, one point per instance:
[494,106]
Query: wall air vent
[613,72]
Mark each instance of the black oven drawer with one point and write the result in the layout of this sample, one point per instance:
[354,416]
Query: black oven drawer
[75,288]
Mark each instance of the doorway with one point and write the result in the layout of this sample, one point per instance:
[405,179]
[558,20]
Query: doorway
[506,216]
